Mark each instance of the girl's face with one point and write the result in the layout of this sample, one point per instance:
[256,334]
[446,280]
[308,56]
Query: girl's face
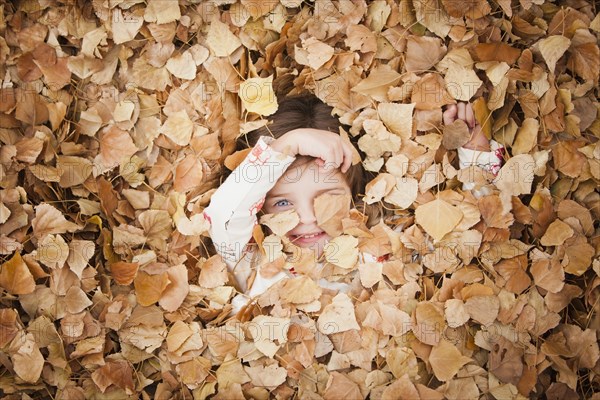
[297,189]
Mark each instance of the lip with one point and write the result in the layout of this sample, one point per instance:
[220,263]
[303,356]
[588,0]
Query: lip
[307,238]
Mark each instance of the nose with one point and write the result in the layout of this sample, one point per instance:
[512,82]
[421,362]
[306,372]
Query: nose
[306,213]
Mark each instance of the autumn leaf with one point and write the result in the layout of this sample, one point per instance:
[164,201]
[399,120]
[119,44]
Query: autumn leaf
[149,288]
[15,277]
[281,223]
[337,316]
[438,218]
[446,360]
[27,360]
[330,210]
[269,376]
[176,290]
[342,251]
[48,220]
[257,96]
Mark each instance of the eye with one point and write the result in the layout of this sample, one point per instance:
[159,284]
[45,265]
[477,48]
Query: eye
[282,203]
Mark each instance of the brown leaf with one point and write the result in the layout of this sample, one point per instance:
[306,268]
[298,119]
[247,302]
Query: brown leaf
[456,134]
[123,272]
[472,9]
[429,323]
[505,360]
[177,289]
[48,220]
[117,372]
[585,55]
[15,277]
[213,272]
[27,360]
[270,376]
[446,360]
[556,234]
[338,316]
[496,51]
[149,288]
[339,386]
[423,52]
[188,174]
[116,147]
[438,218]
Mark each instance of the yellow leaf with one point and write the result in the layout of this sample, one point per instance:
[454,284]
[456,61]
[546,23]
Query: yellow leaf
[258,96]
[438,218]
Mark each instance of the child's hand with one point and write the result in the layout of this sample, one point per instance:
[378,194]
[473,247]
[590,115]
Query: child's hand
[327,147]
[464,111]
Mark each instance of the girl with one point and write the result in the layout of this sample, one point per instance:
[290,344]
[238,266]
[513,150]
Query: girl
[298,158]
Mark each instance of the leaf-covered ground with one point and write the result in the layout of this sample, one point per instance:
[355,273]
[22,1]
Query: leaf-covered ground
[116,118]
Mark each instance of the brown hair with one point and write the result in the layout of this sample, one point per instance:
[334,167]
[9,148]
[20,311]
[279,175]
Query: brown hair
[306,111]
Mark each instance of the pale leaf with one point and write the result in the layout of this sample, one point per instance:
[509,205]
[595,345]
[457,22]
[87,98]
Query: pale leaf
[552,49]
[438,218]
[258,96]
[338,316]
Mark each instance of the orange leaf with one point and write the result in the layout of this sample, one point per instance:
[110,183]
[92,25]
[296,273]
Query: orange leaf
[149,288]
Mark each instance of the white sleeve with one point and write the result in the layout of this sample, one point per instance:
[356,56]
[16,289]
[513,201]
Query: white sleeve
[234,205]
[488,160]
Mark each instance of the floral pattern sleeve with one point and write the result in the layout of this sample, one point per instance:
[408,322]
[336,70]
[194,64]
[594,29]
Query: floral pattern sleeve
[488,160]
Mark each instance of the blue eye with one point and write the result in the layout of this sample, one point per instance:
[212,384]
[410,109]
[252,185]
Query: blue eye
[282,203]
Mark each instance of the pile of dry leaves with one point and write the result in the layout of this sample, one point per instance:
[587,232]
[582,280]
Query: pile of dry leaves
[117,117]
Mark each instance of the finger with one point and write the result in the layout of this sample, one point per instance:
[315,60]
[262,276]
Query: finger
[330,159]
[470,115]
[450,114]
[461,111]
[339,156]
[347,158]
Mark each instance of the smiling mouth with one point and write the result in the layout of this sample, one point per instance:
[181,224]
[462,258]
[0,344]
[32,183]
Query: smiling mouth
[308,237]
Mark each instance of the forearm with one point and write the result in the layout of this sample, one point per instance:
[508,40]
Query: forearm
[233,207]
